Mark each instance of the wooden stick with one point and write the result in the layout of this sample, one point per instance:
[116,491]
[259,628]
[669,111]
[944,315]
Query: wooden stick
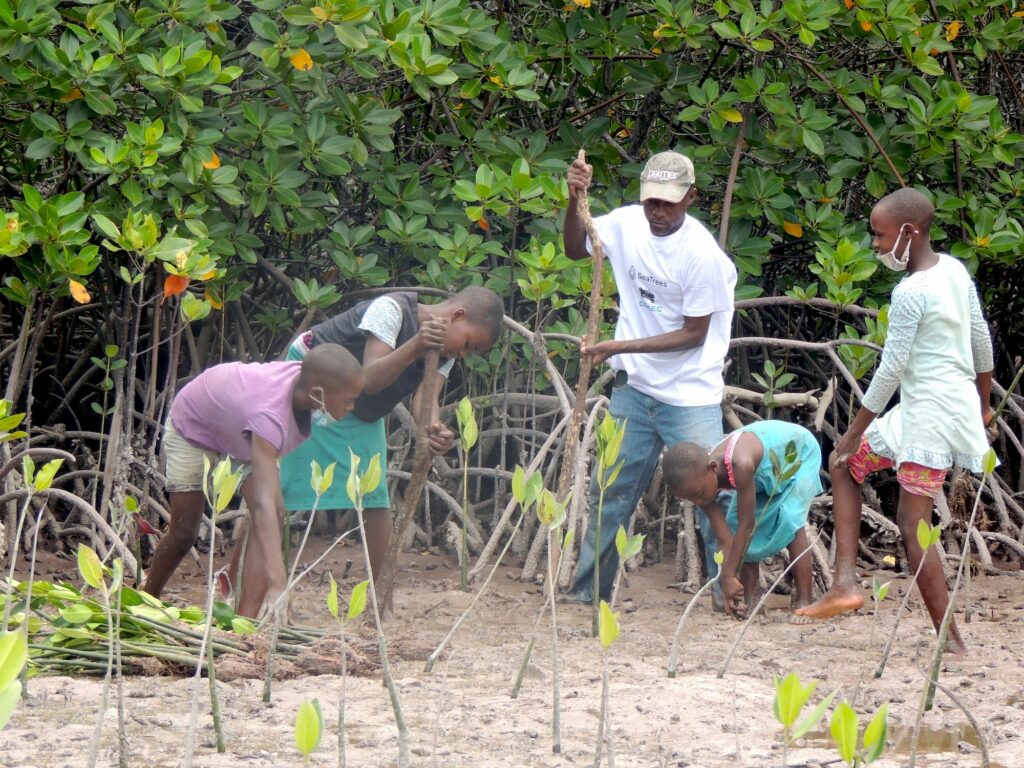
[586,361]
[413,491]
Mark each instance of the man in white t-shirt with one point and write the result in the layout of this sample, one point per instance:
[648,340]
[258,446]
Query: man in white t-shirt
[675,314]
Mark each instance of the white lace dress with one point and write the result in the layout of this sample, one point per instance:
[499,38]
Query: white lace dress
[937,342]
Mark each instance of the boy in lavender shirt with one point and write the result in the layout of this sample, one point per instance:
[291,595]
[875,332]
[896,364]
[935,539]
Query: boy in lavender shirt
[255,413]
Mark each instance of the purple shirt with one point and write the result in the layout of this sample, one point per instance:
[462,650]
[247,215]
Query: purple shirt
[223,407]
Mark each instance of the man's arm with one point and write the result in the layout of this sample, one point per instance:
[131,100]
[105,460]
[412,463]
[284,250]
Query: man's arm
[382,364]
[578,176]
[692,334]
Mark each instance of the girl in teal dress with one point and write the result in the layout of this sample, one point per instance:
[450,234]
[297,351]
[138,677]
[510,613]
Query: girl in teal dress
[773,467]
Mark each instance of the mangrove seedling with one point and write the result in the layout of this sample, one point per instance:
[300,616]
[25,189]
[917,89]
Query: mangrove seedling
[526,492]
[608,633]
[989,463]
[13,658]
[610,434]
[309,727]
[467,439]
[551,514]
[790,697]
[357,487]
[626,546]
[224,484]
[320,481]
[356,605]
[674,653]
[927,537]
[857,748]
[92,571]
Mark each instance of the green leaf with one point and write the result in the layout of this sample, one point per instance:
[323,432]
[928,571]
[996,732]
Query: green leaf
[328,479]
[372,476]
[880,591]
[76,613]
[924,534]
[813,718]
[608,625]
[357,603]
[875,734]
[309,726]
[13,655]
[352,484]
[719,557]
[28,471]
[9,698]
[90,567]
[332,596]
[989,462]
[44,477]
[620,542]
[790,697]
[813,142]
[519,485]
[844,731]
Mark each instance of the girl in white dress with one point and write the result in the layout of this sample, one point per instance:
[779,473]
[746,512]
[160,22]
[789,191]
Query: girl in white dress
[939,354]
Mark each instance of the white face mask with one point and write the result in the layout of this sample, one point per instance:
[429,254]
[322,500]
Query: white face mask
[891,260]
[321,417]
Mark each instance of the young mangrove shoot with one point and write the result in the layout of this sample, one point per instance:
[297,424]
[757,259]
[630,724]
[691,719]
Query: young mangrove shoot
[356,606]
[309,727]
[674,652]
[467,439]
[610,434]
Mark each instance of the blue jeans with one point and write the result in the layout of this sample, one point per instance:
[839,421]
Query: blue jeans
[651,426]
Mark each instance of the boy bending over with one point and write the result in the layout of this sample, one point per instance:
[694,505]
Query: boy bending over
[254,413]
[939,354]
[390,335]
[768,510]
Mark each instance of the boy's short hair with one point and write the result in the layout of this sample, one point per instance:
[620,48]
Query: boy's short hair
[681,461]
[330,365]
[483,307]
[908,205]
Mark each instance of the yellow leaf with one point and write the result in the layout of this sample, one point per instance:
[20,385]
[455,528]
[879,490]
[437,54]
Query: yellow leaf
[496,80]
[656,51]
[1018,14]
[214,302]
[582,3]
[12,224]
[180,259]
[792,228]
[982,241]
[213,29]
[866,26]
[953,29]
[889,560]
[826,200]
[657,32]
[71,95]
[209,275]
[301,60]
[213,163]
[78,292]
[732,115]
[319,13]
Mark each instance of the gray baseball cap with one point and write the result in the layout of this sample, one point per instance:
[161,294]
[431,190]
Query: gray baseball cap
[667,176]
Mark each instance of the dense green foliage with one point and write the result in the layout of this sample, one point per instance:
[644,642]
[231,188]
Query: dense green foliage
[266,159]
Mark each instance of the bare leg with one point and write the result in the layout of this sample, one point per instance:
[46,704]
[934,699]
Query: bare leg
[845,595]
[750,578]
[263,545]
[931,581]
[378,526]
[802,574]
[186,513]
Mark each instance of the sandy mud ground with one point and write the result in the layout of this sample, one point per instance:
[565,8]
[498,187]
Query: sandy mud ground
[462,714]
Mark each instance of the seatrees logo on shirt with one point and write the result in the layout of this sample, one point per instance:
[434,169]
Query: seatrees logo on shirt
[647,298]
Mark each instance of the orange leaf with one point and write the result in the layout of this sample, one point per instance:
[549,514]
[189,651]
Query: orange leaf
[792,228]
[482,222]
[214,301]
[174,284]
[301,60]
[953,29]
[866,26]
[850,5]
[71,95]
[213,163]
[78,292]
[933,52]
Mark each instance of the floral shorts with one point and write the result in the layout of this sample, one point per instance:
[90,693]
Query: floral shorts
[915,478]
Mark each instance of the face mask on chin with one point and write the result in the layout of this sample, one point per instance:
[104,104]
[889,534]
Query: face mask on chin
[891,260]
[321,417]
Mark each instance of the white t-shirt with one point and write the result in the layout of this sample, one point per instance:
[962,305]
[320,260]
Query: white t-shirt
[661,281]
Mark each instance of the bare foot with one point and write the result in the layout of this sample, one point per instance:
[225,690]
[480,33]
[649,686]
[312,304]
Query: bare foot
[956,647]
[796,618]
[833,603]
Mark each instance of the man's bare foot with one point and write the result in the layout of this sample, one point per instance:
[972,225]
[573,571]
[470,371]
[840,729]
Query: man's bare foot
[833,603]
[956,647]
